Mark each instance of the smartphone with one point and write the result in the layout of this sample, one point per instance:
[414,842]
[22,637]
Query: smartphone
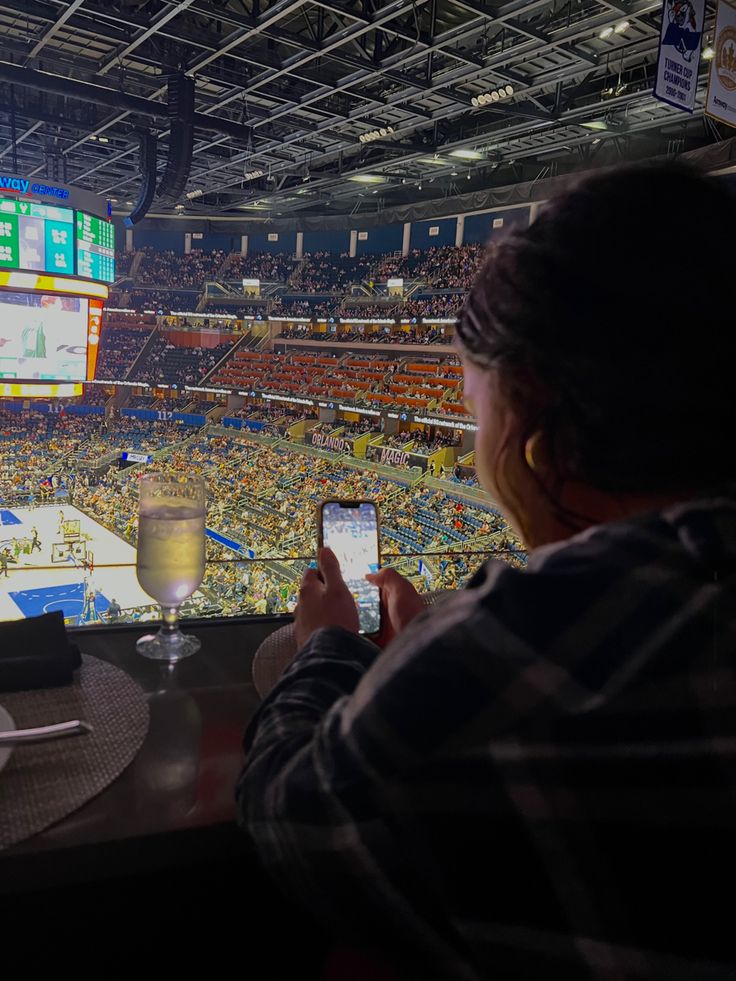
[350,529]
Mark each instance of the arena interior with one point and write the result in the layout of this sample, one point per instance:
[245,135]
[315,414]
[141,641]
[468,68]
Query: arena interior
[249,241]
[272,213]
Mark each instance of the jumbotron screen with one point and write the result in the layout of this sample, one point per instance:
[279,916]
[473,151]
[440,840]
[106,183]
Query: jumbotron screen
[60,241]
[43,337]
[95,248]
[37,237]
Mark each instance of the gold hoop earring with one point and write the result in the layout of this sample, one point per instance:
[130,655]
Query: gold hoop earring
[532,451]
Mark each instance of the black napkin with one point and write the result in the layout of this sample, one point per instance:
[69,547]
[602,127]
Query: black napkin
[36,653]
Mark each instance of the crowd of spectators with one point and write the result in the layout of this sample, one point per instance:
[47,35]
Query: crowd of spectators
[444,305]
[255,311]
[399,440]
[94,395]
[34,446]
[444,267]
[288,306]
[169,269]
[175,282]
[359,427]
[417,334]
[119,347]
[468,478]
[364,311]
[269,413]
[268,267]
[165,363]
[263,500]
[123,262]
[163,301]
[199,407]
[427,442]
[321,272]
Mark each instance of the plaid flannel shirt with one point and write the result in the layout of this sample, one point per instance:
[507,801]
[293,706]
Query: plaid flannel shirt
[537,779]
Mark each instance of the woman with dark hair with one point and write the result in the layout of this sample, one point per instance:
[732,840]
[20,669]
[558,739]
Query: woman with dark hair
[537,778]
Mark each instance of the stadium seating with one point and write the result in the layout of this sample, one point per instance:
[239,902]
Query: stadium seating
[119,348]
[171,365]
[317,285]
[380,381]
[179,271]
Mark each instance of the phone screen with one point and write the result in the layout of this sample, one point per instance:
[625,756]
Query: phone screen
[351,531]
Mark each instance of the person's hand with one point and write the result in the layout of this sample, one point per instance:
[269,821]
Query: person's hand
[324,600]
[400,603]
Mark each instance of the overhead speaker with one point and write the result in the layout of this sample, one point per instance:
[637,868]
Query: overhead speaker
[181,137]
[148,154]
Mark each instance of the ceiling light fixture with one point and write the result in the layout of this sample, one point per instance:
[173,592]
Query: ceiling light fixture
[252,175]
[495,95]
[599,124]
[605,33]
[466,154]
[103,139]
[377,134]
[624,25]
[708,53]
[366,179]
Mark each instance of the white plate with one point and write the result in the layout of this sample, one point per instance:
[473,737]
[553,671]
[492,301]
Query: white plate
[6,723]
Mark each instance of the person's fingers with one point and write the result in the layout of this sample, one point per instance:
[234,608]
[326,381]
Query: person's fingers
[386,579]
[310,581]
[329,567]
[394,587]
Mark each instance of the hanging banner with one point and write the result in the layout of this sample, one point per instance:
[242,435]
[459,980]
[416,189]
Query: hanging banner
[679,52]
[720,102]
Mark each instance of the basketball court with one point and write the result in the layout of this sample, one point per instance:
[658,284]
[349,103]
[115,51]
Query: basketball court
[56,577]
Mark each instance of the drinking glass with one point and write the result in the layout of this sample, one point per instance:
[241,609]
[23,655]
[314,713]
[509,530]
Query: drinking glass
[170,562]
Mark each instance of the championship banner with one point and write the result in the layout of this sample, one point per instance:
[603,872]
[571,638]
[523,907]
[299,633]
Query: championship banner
[679,53]
[720,102]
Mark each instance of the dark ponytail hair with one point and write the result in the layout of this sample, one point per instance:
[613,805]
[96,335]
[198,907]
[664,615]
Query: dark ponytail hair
[611,322]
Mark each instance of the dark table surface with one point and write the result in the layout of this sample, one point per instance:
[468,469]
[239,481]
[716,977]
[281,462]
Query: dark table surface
[175,801]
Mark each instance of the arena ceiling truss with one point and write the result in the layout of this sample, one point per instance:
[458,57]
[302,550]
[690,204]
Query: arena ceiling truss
[331,106]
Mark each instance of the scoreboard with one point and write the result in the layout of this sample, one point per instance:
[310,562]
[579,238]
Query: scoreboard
[95,248]
[60,241]
[55,263]
[38,237]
